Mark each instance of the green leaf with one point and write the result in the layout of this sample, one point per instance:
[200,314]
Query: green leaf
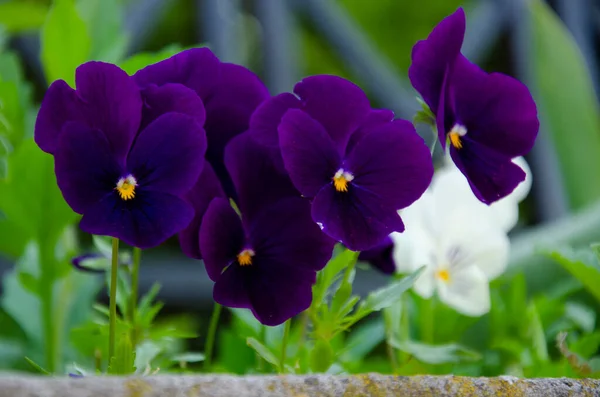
[12,115]
[566,99]
[329,274]
[586,345]
[321,356]
[102,309]
[246,318]
[425,115]
[536,334]
[20,303]
[339,263]
[341,297]
[95,264]
[65,42]
[234,354]
[103,244]
[436,354]
[30,197]
[387,296]
[576,362]
[29,282]
[363,339]
[583,265]
[145,352]
[16,104]
[104,19]
[172,331]
[583,316]
[347,307]
[272,336]
[10,330]
[123,361]
[123,289]
[18,15]
[143,59]
[263,351]
[150,314]
[594,364]
[147,310]
[36,366]
[91,338]
[235,207]
[189,357]
[12,238]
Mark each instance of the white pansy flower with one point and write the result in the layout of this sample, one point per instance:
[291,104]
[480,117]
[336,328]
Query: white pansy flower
[461,241]
[505,210]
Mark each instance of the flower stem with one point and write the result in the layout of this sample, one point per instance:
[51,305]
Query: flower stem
[135,275]
[389,334]
[210,337]
[305,318]
[427,320]
[350,267]
[260,363]
[113,299]
[47,294]
[404,327]
[435,139]
[286,335]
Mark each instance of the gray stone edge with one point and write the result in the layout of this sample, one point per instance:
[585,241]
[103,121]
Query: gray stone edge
[292,385]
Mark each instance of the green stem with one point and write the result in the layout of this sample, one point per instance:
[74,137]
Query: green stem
[260,363]
[350,268]
[286,335]
[427,320]
[135,275]
[46,292]
[389,333]
[210,337]
[113,299]
[404,326]
[435,139]
[305,317]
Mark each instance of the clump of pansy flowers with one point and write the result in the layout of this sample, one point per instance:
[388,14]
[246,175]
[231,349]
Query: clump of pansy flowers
[261,188]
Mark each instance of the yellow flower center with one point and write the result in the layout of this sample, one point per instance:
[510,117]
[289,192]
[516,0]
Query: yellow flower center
[126,187]
[341,179]
[443,275]
[244,258]
[455,134]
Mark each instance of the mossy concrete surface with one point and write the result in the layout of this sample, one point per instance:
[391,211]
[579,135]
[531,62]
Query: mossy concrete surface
[293,386]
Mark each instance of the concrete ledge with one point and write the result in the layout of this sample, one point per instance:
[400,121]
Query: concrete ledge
[296,386]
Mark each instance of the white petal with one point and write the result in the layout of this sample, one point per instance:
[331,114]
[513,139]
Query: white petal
[425,284]
[524,187]
[467,291]
[471,238]
[506,210]
[451,189]
[412,249]
[506,213]
[421,213]
[401,252]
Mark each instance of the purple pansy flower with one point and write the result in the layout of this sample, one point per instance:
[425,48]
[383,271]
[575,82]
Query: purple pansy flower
[229,93]
[380,257]
[488,118]
[127,183]
[267,260]
[356,164]
[202,193]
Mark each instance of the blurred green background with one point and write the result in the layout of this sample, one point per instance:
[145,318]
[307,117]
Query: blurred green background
[549,45]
